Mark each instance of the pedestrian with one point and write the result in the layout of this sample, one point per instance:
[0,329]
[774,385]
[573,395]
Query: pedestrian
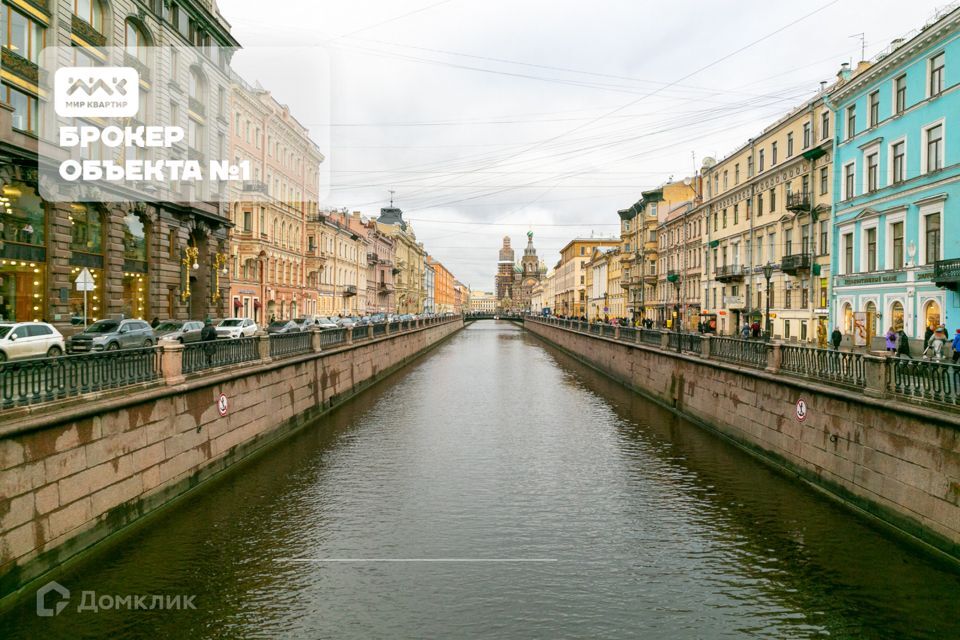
[755,328]
[208,336]
[836,338]
[821,335]
[903,345]
[926,337]
[155,322]
[745,331]
[891,337]
[937,342]
[956,347]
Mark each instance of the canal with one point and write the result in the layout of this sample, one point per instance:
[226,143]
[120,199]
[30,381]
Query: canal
[498,489]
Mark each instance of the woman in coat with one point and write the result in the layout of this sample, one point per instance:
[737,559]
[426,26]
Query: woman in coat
[891,340]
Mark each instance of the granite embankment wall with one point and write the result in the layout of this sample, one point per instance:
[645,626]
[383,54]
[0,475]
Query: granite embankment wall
[897,462]
[74,473]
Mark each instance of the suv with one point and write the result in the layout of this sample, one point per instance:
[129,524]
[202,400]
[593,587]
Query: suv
[110,335]
[29,340]
[183,331]
[236,328]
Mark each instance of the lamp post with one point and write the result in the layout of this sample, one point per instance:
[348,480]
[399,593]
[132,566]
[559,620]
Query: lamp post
[675,279]
[767,273]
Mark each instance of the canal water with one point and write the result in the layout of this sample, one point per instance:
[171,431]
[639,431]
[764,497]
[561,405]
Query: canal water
[498,489]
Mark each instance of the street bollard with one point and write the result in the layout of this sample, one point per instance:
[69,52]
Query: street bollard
[773,357]
[705,346]
[171,362]
[876,373]
[316,342]
[665,340]
[264,347]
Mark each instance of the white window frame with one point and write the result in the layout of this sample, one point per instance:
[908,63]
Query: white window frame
[890,146]
[942,122]
[872,149]
[843,179]
[893,96]
[867,226]
[890,220]
[841,259]
[929,68]
[924,211]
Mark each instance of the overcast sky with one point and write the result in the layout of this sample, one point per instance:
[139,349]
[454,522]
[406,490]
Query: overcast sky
[497,117]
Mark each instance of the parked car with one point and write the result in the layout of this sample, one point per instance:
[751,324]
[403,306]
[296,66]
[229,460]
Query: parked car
[183,331]
[406,317]
[377,318]
[306,323]
[236,328]
[29,340]
[326,323]
[109,334]
[347,322]
[283,326]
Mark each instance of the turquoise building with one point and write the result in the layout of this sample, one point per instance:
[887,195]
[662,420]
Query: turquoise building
[896,211]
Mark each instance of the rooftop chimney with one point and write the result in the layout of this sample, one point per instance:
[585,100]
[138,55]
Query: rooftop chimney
[844,74]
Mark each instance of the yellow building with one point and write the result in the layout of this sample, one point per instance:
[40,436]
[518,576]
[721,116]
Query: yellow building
[570,285]
[639,245]
[606,298]
[768,204]
[410,261]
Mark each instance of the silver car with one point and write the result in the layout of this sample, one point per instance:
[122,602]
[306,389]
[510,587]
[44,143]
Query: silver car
[109,335]
[183,331]
[29,340]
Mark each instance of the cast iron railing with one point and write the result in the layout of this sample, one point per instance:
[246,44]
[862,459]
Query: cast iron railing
[198,356]
[27,382]
[842,367]
[332,337]
[926,380]
[359,333]
[290,344]
[650,337]
[749,352]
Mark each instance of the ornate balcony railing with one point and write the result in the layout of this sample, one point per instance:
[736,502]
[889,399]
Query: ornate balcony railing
[349,290]
[795,263]
[256,185]
[798,202]
[359,333]
[650,337]
[729,272]
[26,382]
[332,337]
[946,273]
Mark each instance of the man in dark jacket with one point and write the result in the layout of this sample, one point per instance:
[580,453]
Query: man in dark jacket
[208,336]
[903,345]
[836,338]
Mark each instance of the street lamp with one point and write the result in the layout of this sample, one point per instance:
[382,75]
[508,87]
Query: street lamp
[767,273]
[675,279]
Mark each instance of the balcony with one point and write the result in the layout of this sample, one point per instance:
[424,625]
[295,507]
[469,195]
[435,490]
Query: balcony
[798,202]
[372,258]
[349,290]
[650,246]
[946,273]
[729,273]
[83,29]
[138,64]
[196,106]
[384,287]
[795,263]
[256,186]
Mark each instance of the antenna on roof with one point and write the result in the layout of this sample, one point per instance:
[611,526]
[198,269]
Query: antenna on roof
[391,197]
[863,44]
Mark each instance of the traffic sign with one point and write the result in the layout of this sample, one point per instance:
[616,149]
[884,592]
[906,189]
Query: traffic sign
[84,281]
[802,409]
[222,405]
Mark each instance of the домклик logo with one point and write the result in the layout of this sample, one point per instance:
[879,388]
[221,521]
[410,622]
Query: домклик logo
[97,92]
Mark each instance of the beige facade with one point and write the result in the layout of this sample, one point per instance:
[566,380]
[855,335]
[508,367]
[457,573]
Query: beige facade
[570,284]
[410,260]
[679,243]
[342,242]
[604,293]
[768,203]
[483,302]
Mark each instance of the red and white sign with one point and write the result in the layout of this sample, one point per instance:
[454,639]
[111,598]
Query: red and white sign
[222,405]
[802,409]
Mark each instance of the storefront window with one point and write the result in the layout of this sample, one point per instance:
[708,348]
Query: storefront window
[931,315]
[21,216]
[22,270]
[21,291]
[896,316]
[86,244]
[135,270]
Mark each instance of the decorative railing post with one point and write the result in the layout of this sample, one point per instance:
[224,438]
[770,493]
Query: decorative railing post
[348,335]
[665,340]
[369,332]
[773,357]
[616,332]
[638,335]
[876,373]
[705,346]
[171,362]
[316,342]
[263,346]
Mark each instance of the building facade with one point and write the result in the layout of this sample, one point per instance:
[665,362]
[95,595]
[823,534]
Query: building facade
[483,302]
[380,261]
[164,259]
[341,240]
[410,260]
[570,284]
[678,268]
[515,281]
[604,293]
[898,179]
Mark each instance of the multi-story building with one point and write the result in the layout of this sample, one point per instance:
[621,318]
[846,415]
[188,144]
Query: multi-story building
[276,264]
[570,288]
[380,258]
[461,297]
[429,286]
[409,265]
[604,293]
[444,295]
[515,282]
[160,259]
[898,178]
[639,246]
[678,267]
[483,301]
[342,241]
[767,206]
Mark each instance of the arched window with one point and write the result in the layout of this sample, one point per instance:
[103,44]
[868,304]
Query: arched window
[135,41]
[196,90]
[871,310]
[90,11]
[931,314]
[846,318]
[896,316]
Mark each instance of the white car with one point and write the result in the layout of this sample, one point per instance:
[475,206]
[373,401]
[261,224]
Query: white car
[236,328]
[29,340]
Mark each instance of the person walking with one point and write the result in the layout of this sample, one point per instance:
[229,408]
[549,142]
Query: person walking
[937,342]
[891,337]
[836,338]
[903,345]
[926,337]
[956,347]
[208,336]
[745,331]
[755,328]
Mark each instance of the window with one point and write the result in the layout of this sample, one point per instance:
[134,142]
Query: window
[851,121]
[788,242]
[805,238]
[824,240]
[848,253]
[750,167]
[898,165]
[824,180]
[773,200]
[24,108]
[135,42]
[931,224]
[873,170]
[900,94]
[934,151]
[725,180]
[20,34]
[848,178]
[823,293]
[736,213]
[773,154]
[874,108]
[736,174]
[90,11]
[807,135]
[759,204]
[936,74]
[896,233]
[871,249]
[761,160]
[824,125]
[789,144]
[724,218]
[196,87]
